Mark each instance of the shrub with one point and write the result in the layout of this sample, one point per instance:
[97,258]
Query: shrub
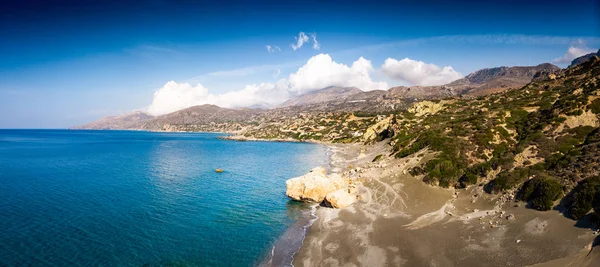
[595,106]
[541,192]
[585,197]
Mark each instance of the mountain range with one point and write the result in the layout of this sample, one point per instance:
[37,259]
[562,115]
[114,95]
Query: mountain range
[329,99]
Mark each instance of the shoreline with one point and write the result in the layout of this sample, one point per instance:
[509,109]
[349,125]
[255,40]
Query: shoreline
[292,240]
[402,221]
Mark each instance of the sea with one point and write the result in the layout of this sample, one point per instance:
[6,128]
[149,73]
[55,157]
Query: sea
[135,198]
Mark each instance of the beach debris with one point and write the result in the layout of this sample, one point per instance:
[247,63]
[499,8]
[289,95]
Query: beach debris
[510,217]
[219,170]
[518,241]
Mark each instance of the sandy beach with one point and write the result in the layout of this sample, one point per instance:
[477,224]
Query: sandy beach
[401,221]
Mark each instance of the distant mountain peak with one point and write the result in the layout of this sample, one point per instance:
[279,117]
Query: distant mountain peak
[526,72]
[584,58]
[322,95]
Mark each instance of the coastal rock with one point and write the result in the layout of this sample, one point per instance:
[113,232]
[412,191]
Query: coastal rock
[314,186]
[339,199]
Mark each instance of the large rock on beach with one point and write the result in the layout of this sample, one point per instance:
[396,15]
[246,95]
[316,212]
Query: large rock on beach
[339,199]
[314,186]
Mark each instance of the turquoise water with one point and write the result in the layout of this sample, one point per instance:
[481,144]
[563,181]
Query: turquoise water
[121,198]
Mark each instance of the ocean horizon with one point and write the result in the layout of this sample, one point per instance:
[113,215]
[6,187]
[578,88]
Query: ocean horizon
[136,198]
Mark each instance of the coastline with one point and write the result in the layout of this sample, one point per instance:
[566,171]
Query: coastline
[290,242]
[401,221]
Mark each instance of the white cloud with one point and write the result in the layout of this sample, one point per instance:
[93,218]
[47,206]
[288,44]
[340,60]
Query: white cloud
[316,44]
[574,51]
[174,96]
[272,49]
[300,40]
[419,72]
[319,71]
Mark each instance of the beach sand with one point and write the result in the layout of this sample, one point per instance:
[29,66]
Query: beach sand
[401,221]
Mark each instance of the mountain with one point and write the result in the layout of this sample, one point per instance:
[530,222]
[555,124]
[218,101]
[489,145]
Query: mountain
[492,80]
[330,99]
[323,95]
[133,120]
[420,92]
[583,58]
[196,117]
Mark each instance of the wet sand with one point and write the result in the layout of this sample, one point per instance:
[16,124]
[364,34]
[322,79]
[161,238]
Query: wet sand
[401,221]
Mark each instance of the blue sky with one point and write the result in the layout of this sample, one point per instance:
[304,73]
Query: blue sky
[69,62]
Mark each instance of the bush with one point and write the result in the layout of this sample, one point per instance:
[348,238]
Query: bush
[508,180]
[541,192]
[595,106]
[586,196]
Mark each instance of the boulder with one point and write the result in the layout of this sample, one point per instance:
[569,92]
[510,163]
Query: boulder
[339,199]
[313,186]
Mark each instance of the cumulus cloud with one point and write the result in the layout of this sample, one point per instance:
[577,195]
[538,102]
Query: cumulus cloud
[418,72]
[272,49]
[319,71]
[174,96]
[573,52]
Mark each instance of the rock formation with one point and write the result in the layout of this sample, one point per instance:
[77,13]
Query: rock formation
[313,186]
[426,107]
[339,199]
[380,129]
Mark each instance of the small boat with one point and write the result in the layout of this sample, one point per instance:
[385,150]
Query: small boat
[219,170]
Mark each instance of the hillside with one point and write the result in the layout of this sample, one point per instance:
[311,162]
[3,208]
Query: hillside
[322,95]
[202,118]
[493,80]
[539,143]
[133,120]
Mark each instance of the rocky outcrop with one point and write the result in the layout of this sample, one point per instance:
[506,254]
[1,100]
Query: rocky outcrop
[314,186]
[380,130]
[426,107]
[339,199]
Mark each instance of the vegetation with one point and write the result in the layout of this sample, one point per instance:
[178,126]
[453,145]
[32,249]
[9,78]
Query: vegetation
[521,135]
[586,196]
[541,192]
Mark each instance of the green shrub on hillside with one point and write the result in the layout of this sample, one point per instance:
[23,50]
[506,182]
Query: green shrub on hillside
[541,192]
[595,106]
[586,196]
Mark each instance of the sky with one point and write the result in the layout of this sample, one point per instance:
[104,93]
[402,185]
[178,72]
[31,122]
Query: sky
[65,63]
